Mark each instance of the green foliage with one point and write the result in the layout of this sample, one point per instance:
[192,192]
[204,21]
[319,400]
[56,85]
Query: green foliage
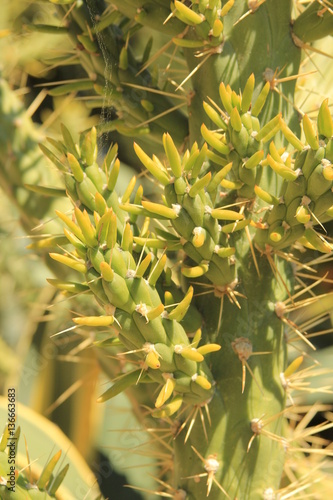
[196,284]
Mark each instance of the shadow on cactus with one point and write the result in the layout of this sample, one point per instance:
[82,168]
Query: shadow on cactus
[194,291]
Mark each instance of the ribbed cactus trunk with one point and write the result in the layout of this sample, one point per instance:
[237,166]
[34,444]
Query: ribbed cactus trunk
[261,41]
[243,473]
[254,45]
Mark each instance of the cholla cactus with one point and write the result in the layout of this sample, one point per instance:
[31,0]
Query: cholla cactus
[214,219]
[195,288]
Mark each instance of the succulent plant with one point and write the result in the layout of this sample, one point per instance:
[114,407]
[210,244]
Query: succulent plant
[196,283]
[14,483]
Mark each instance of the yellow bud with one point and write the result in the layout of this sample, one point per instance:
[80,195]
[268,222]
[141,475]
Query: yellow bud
[154,313]
[254,160]
[270,129]
[267,197]
[111,236]
[189,353]
[152,360]
[153,167]
[282,170]
[127,239]
[302,215]
[317,241]
[215,140]
[113,176]
[143,266]
[75,167]
[169,409]
[225,98]
[197,338]
[214,116]
[291,137]
[226,7]
[159,210]
[88,230]
[165,392]
[194,272]
[235,226]
[47,472]
[231,184]
[94,320]
[157,271]
[72,226]
[328,171]
[126,196]
[208,348]
[106,272]
[77,265]
[188,14]
[199,237]
[180,310]
[150,242]
[258,105]
[202,381]
[325,122]
[309,133]
[235,120]
[222,214]
[247,93]
[172,154]
[217,28]
[200,184]
[294,365]
[277,234]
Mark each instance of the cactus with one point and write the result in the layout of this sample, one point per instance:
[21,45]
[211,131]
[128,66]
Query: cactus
[23,479]
[196,286]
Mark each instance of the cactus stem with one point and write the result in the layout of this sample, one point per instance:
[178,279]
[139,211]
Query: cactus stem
[249,239]
[160,115]
[209,53]
[275,271]
[253,6]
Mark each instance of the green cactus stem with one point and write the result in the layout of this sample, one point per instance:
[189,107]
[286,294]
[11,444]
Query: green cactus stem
[230,412]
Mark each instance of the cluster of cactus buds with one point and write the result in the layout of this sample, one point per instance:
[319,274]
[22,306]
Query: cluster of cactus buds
[207,207]
[207,20]
[125,281]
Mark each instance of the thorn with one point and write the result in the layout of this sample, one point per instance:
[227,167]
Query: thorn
[243,348]
[211,465]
